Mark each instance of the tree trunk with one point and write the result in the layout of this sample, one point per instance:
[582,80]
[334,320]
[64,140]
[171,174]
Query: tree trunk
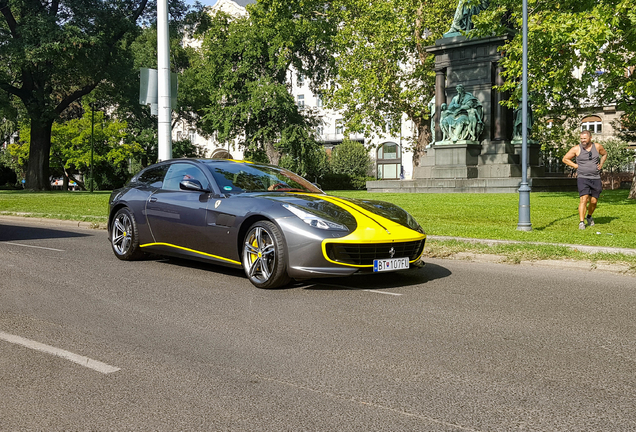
[423,139]
[632,191]
[37,175]
[272,154]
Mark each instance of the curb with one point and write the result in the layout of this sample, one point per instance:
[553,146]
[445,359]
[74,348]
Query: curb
[622,269]
[55,222]
[581,248]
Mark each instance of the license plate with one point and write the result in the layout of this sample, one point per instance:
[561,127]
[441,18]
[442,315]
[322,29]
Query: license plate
[391,264]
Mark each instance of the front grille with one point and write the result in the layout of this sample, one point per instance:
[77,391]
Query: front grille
[364,254]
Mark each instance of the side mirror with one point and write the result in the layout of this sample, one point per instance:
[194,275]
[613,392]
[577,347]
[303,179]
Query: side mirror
[192,185]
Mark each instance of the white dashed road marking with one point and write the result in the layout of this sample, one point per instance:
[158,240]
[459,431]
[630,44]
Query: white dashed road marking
[31,246]
[360,289]
[75,358]
[382,292]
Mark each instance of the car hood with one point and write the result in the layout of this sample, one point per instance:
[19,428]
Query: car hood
[346,210]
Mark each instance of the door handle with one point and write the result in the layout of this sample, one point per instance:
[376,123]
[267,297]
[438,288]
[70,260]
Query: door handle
[153,199]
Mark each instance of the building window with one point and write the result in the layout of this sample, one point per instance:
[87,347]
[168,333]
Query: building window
[592,123]
[339,128]
[301,101]
[389,161]
[320,130]
[318,101]
[192,135]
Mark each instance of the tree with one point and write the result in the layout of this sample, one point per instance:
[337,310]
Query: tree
[618,156]
[71,149]
[594,38]
[383,69]
[302,154]
[627,132]
[53,53]
[244,68]
[144,55]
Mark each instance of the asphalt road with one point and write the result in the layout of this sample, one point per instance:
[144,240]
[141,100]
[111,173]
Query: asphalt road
[457,346]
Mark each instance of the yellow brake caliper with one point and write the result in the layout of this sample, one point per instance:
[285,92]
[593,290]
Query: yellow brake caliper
[254,256]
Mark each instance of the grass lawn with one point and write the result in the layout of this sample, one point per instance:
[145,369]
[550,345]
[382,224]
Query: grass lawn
[80,206]
[554,216]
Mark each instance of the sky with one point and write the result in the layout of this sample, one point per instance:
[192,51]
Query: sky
[204,2]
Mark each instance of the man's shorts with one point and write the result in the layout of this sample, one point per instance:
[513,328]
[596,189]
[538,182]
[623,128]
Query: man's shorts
[589,186]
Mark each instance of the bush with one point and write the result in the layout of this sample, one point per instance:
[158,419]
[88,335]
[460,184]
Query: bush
[7,176]
[334,181]
[351,158]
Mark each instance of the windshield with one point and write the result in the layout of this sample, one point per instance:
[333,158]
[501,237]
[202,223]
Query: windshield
[235,178]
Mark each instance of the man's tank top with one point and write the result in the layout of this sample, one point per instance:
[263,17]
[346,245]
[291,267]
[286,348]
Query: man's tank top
[587,161]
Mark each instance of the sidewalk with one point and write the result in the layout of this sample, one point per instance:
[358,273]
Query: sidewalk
[581,248]
[566,263]
[54,222]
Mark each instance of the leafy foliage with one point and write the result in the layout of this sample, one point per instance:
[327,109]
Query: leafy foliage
[243,70]
[383,68]
[351,158]
[594,39]
[71,149]
[55,52]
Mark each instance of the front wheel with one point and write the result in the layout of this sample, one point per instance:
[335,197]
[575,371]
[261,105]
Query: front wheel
[264,256]
[124,236]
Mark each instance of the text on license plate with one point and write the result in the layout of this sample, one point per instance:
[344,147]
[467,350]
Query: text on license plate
[390,264]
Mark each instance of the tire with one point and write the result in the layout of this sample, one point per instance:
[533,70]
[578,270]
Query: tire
[124,236]
[265,256]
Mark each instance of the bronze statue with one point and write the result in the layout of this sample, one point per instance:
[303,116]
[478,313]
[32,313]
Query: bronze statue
[517,130]
[463,119]
[463,19]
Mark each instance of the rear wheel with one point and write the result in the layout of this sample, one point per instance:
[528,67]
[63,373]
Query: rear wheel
[265,256]
[124,237]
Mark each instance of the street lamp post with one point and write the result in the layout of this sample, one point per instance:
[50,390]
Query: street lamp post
[163,82]
[524,189]
[92,105]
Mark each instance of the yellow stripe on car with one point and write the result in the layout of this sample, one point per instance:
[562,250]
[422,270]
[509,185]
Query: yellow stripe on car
[191,250]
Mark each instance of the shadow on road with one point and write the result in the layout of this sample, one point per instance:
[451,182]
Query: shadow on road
[355,282]
[17,232]
[384,281]
[199,265]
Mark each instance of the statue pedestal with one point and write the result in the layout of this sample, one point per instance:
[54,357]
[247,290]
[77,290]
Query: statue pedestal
[534,148]
[474,63]
[450,160]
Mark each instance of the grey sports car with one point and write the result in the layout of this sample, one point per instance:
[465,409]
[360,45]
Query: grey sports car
[271,222]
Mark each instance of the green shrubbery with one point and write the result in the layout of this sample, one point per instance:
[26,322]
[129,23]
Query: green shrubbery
[348,167]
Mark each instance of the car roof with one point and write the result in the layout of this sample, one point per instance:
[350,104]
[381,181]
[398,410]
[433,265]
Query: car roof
[209,160]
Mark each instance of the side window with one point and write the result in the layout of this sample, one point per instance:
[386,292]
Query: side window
[153,177]
[183,171]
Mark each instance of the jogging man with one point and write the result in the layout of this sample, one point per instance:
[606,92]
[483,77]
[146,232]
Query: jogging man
[590,158]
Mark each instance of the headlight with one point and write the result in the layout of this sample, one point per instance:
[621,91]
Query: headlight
[412,223]
[315,221]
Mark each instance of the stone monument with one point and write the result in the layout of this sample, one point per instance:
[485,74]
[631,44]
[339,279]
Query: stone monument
[473,131]
[477,143]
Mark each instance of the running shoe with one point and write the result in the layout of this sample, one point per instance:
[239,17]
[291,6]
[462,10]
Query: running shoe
[590,220]
[581,225]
